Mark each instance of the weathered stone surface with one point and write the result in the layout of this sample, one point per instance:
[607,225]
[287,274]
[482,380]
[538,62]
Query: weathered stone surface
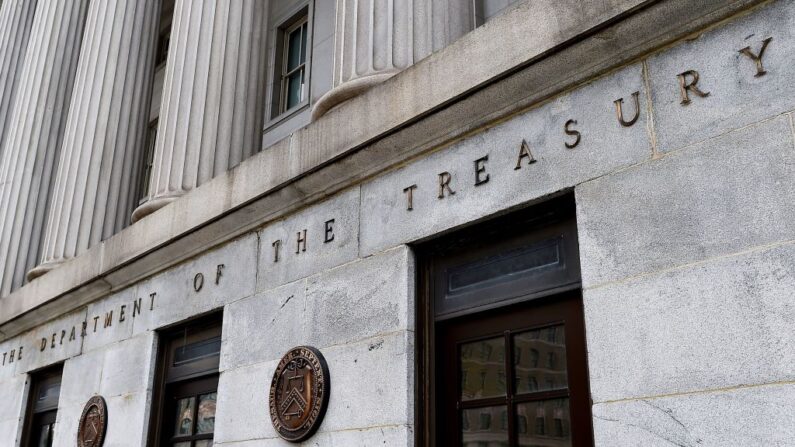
[13,391]
[121,323]
[723,323]
[177,298]
[58,345]
[752,417]
[605,146]
[127,421]
[128,366]
[319,255]
[265,326]
[242,411]
[10,431]
[362,299]
[737,97]
[719,197]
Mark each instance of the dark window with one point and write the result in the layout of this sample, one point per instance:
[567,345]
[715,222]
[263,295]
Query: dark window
[42,407]
[291,75]
[188,384]
[147,162]
[502,302]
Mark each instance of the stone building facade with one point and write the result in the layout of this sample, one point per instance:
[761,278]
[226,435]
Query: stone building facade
[501,223]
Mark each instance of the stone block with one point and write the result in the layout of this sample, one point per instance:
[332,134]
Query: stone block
[13,391]
[81,378]
[120,307]
[58,346]
[10,431]
[605,146]
[737,97]
[177,298]
[243,407]
[719,197]
[128,366]
[722,323]
[748,417]
[131,412]
[369,297]
[265,326]
[296,260]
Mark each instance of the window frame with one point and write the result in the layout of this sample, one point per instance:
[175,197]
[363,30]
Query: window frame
[50,410]
[479,240]
[294,18]
[170,381]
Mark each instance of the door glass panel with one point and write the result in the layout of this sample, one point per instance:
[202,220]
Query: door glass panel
[544,423]
[204,443]
[205,422]
[182,444]
[485,427]
[539,360]
[483,369]
[45,436]
[184,425]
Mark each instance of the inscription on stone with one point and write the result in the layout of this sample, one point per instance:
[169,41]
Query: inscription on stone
[299,393]
[93,423]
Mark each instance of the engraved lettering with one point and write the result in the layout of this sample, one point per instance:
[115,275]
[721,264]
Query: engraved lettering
[329,231]
[524,152]
[43,345]
[620,112]
[108,319]
[52,341]
[152,300]
[95,323]
[301,242]
[84,331]
[11,356]
[276,244]
[409,191]
[73,334]
[4,358]
[19,353]
[63,335]
[757,58]
[688,82]
[121,313]
[136,307]
[444,184]
[198,282]
[480,168]
[575,133]
[218,273]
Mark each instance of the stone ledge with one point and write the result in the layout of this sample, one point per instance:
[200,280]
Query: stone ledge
[360,138]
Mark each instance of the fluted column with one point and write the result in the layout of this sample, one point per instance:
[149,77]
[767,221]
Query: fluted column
[375,39]
[211,116]
[16,19]
[105,129]
[35,134]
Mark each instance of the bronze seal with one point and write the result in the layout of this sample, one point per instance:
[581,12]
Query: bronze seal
[299,393]
[93,423]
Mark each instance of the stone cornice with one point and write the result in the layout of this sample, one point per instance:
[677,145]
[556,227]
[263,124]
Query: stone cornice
[513,62]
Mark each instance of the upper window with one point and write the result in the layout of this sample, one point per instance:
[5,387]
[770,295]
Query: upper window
[290,78]
[188,376]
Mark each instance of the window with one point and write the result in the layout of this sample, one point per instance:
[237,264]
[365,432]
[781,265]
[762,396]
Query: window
[148,161]
[502,302]
[42,408]
[290,86]
[188,385]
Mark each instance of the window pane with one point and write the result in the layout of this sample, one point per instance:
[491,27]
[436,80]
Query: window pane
[205,422]
[204,443]
[539,359]
[483,369]
[294,86]
[182,444]
[184,425]
[294,49]
[539,423]
[303,43]
[45,436]
[482,426]
[197,351]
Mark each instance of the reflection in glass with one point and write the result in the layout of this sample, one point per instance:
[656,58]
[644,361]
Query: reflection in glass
[550,423]
[481,427]
[45,436]
[185,417]
[204,443]
[485,361]
[532,375]
[205,421]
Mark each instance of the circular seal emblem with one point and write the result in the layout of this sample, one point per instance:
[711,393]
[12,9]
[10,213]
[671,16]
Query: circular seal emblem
[299,393]
[93,423]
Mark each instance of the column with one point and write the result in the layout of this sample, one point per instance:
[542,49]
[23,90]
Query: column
[211,116]
[105,129]
[35,133]
[375,39]
[16,19]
